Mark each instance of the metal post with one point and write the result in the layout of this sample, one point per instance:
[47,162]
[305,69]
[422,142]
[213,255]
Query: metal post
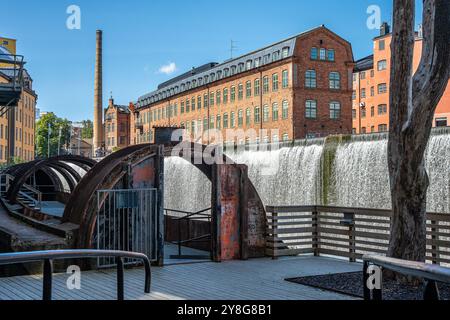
[59,141]
[179,237]
[48,140]
[378,293]
[47,280]
[120,290]
[148,276]
[366,290]
[431,291]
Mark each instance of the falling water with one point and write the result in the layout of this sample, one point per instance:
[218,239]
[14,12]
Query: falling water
[293,175]
[287,176]
[186,188]
[361,177]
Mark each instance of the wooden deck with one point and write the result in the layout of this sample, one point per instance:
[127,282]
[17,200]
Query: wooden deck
[259,279]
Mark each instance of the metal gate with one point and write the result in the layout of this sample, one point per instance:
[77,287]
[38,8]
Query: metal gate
[127,220]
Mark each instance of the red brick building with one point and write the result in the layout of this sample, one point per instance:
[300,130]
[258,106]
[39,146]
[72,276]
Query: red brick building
[297,88]
[116,127]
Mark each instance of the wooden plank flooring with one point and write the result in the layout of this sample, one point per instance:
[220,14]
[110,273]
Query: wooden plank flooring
[259,279]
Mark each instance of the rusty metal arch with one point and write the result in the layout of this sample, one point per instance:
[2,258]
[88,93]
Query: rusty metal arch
[81,207]
[23,172]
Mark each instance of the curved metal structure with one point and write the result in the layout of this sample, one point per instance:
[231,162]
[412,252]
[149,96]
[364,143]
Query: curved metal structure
[54,168]
[81,208]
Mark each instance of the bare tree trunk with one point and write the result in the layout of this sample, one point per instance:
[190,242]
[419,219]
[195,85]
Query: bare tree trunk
[413,101]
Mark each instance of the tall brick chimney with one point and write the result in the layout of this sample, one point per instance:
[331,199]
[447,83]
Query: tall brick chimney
[98,95]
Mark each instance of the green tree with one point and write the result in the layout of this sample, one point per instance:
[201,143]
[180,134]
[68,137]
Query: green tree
[87,131]
[51,122]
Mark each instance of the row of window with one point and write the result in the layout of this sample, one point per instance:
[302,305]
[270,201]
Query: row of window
[322,54]
[334,79]
[311,109]
[381,110]
[20,135]
[381,128]
[219,97]
[26,155]
[381,65]
[381,89]
[217,75]
[236,119]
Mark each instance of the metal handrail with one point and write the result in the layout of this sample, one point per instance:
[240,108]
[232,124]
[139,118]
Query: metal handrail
[431,273]
[189,216]
[48,256]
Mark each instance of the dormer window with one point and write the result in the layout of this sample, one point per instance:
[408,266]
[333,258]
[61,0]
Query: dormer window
[266,58]
[276,56]
[226,72]
[233,70]
[257,62]
[249,64]
[213,76]
[285,52]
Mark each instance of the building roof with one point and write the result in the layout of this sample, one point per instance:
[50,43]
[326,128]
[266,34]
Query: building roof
[188,74]
[364,64]
[5,54]
[278,51]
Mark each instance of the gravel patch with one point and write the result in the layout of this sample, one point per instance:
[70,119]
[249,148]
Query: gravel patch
[352,284]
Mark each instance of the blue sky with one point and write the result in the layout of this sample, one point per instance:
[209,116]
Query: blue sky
[141,36]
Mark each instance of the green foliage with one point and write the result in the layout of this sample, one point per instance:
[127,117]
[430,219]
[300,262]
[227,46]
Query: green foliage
[87,131]
[42,134]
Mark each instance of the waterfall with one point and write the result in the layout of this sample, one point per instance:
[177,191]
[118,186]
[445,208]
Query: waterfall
[186,188]
[438,168]
[361,179]
[288,176]
[295,175]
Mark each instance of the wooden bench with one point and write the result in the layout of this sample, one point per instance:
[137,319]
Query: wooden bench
[430,272]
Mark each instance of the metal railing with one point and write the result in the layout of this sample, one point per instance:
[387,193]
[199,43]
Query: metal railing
[189,216]
[429,272]
[48,256]
[127,221]
[345,232]
[37,200]
[5,181]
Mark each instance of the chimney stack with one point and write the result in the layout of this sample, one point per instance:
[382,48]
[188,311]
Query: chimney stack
[98,95]
[385,29]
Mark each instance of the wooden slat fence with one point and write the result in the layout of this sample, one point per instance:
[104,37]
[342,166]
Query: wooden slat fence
[345,232]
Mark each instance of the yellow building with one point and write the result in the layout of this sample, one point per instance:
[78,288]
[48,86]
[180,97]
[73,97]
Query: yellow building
[24,113]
